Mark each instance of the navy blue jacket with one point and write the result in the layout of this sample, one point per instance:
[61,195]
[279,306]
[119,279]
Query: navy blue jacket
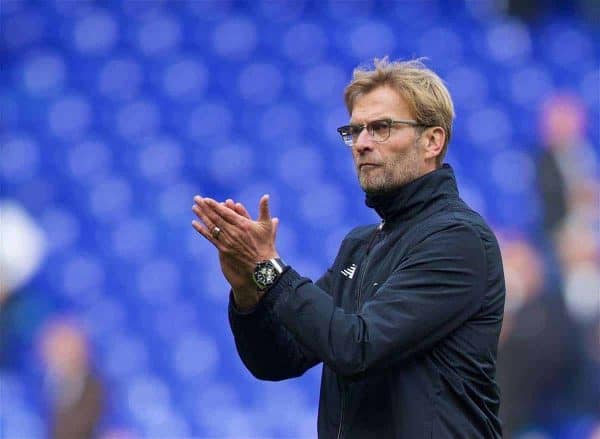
[406,322]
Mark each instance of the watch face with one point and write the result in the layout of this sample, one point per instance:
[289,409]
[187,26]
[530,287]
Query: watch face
[264,275]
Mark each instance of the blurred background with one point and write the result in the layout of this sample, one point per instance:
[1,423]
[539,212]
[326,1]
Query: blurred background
[114,114]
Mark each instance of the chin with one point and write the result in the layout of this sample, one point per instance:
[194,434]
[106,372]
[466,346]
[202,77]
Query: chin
[371,187]
[383,187]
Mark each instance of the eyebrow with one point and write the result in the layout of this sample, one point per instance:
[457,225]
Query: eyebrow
[382,117]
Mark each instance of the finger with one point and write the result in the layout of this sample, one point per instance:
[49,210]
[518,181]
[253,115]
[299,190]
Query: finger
[220,213]
[275,222]
[200,213]
[237,208]
[209,210]
[205,233]
[201,229]
[240,209]
[197,199]
[263,208]
[229,203]
[211,220]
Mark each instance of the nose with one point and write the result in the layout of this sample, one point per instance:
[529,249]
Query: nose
[363,143]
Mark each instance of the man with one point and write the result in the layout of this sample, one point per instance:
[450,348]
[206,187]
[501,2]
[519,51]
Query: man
[407,319]
[566,165]
[77,392]
[537,329]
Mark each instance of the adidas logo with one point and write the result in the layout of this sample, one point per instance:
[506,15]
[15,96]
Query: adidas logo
[349,272]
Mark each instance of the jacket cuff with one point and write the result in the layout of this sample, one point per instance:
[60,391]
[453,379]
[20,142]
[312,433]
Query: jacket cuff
[285,286]
[244,323]
[279,293]
[233,310]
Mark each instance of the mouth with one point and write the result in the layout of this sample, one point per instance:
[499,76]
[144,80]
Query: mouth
[367,166]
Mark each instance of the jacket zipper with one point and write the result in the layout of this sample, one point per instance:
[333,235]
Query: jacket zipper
[341,427]
[364,267]
[362,276]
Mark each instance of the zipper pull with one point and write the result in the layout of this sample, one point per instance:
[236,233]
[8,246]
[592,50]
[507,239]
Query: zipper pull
[374,235]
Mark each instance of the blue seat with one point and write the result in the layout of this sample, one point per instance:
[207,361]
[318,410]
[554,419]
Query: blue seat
[115,123]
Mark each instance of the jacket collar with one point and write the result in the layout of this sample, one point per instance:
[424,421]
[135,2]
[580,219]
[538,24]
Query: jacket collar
[415,197]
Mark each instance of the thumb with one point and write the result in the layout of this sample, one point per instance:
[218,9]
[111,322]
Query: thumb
[275,223]
[263,207]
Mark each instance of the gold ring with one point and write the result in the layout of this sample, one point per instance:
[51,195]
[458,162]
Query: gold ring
[216,231]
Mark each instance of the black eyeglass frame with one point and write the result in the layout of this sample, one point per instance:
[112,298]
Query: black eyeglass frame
[350,132]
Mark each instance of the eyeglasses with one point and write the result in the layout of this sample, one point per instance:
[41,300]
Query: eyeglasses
[379,130]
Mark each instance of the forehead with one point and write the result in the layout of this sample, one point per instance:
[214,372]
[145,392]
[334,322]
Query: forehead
[381,102]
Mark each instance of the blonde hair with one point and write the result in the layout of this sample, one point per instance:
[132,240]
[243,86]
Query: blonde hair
[423,90]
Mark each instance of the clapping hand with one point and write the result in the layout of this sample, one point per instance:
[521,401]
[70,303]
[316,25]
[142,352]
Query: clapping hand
[240,241]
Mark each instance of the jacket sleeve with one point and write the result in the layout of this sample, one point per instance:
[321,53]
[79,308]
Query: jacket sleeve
[267,348]
[434,290]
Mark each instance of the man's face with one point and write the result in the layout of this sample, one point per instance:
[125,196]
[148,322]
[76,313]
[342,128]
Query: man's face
[385,166]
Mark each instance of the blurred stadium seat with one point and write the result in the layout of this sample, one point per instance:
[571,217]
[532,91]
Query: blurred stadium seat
[114,114]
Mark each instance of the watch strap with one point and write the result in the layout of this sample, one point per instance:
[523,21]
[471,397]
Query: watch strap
[279,265]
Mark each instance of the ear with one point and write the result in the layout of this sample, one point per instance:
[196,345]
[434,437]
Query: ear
[433,142]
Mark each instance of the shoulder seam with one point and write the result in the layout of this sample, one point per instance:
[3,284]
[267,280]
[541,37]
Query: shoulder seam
[470,226]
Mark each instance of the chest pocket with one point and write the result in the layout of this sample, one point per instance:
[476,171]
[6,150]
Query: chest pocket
[374,270]
[389,253]
[378,270]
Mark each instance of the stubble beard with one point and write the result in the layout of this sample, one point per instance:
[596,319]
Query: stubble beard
[403,169]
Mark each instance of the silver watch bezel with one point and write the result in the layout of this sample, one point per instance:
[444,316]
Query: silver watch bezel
[275,264]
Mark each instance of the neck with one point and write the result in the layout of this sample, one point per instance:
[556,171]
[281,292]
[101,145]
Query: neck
[420,194]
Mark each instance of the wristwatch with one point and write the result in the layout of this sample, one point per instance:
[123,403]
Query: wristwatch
[267,272]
